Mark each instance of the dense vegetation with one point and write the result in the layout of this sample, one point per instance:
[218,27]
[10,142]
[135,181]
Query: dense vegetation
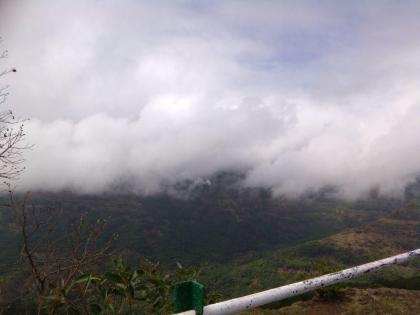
[242,240]
[195,229]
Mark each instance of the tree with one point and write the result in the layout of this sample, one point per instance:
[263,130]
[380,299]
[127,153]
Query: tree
[11,133]
[63,268]
[68,269]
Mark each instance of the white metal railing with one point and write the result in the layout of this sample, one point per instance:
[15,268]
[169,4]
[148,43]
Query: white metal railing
[265,297]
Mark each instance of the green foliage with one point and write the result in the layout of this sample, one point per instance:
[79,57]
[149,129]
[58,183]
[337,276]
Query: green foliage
[279,239]
[121,290]
[161,226]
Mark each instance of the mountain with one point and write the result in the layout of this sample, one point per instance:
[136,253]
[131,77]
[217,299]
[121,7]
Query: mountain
[216,222]
[394,233]
[244,239]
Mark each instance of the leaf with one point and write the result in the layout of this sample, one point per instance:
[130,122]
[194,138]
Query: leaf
[103,293]
[68,289]
[83,278]
[157,301]
[121,286]
[131,291]
[118,292]
[113,277]
[96,308]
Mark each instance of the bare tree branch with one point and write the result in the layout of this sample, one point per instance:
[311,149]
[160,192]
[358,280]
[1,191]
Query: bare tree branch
[12,144]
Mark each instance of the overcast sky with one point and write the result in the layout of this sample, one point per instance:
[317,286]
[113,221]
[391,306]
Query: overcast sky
[297,94]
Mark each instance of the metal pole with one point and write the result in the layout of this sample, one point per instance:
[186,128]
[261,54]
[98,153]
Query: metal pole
[281,293]
[188,297]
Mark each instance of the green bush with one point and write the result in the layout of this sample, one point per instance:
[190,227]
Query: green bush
[121,290]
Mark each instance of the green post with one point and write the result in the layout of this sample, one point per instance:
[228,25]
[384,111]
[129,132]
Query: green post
[187,296]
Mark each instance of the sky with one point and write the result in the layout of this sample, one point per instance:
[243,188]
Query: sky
[296,95]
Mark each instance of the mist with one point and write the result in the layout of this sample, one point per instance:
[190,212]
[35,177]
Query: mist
[297,96]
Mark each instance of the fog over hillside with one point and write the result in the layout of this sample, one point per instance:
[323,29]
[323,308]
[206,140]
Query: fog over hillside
[296,95]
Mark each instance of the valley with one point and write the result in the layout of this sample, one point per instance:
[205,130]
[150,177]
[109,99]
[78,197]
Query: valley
[245,240]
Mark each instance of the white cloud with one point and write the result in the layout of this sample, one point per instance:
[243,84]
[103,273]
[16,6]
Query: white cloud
[297,95]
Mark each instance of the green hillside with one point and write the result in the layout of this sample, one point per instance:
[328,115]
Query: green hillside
[244,240]
[216,224]
[397,232]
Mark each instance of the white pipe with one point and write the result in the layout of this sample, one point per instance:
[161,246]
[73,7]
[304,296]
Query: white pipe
[281,293]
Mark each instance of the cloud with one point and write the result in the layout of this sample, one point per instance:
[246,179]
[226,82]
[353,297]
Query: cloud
[298,96]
